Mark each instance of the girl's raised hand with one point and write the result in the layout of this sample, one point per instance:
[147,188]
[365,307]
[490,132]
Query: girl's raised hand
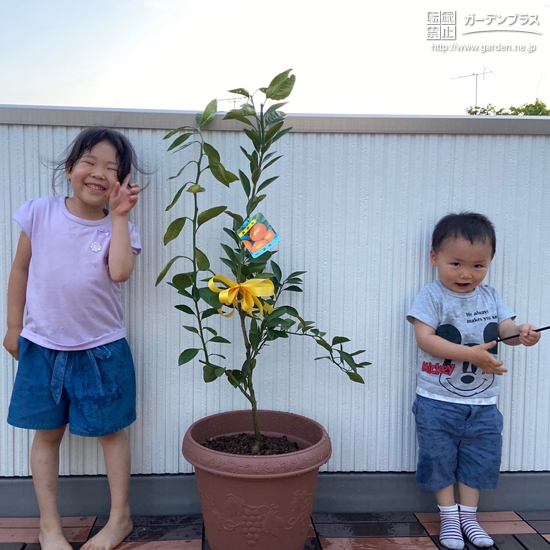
[123,197]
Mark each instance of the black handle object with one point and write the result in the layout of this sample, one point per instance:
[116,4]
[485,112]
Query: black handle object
[516,335]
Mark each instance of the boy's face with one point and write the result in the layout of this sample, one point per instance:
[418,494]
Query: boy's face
[461,265]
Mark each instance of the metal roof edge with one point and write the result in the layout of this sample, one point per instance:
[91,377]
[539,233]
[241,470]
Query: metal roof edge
[306,123]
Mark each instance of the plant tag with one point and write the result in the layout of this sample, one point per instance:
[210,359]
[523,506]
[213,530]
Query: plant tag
[258,235]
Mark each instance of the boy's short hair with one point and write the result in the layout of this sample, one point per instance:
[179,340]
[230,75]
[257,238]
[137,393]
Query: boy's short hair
[467,225]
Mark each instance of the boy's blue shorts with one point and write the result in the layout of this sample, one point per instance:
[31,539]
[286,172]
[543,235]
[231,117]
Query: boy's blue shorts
[93,390]
[457,443]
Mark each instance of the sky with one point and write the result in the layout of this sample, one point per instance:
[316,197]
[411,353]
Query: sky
[349,56]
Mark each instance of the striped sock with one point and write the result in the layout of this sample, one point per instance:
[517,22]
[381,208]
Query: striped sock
[475,534]
[450,534]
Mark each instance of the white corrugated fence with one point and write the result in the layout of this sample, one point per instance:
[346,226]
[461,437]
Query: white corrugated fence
[355,204]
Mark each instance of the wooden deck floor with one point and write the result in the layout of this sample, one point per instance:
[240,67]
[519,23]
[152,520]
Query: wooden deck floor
[373,531]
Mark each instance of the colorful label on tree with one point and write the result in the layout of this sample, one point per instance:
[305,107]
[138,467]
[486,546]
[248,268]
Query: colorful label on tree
[258,235]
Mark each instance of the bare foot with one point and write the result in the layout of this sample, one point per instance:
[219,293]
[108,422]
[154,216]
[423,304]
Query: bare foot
[53,539]
[110,536]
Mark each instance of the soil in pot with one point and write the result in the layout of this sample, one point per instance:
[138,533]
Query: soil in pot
[242,444]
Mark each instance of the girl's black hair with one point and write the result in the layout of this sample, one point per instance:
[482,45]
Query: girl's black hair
[467,225]
[83,143]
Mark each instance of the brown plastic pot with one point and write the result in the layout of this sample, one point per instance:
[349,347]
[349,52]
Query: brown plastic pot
[258,502]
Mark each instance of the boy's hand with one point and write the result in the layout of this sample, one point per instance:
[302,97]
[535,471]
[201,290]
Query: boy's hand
[123,197]
[527,335]
[10,342]
[484,360]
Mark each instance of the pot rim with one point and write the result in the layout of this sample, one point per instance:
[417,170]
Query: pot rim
[305,460]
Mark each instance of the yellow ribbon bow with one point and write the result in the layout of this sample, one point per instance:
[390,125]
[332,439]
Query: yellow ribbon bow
[244,294]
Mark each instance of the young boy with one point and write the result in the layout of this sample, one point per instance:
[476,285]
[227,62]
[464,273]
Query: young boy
[457,321]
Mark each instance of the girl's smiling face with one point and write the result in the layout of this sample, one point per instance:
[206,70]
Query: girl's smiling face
[462,265]
[93,177]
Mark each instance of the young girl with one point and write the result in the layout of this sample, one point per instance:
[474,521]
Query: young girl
[75,366]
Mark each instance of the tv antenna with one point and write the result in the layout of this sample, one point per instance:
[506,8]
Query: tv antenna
[233,100]
[486,70]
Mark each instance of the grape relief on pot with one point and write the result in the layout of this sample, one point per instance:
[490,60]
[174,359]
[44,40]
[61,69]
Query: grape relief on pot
[257,521]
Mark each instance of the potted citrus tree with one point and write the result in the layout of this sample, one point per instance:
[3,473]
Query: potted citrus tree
[256,470]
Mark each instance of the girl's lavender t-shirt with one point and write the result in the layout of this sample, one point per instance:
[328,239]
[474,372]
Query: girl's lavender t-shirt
[72,302]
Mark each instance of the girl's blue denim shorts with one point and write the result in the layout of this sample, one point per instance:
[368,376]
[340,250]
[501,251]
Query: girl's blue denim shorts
[457,442]
[94,390]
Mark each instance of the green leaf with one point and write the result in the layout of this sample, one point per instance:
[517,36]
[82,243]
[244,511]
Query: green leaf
[237,217]
[231,265]
[324,344]
[187,355]
[280,135]
[267,182]
[191,329]
[236,114]
[210,297]
[183,292]
[274,117]
[293,288]
[275,314]
[179,140]
[245,182]
[273,334]
[230,254]
[253,203]
[177,131]
[202,261]
[277,271]
[209,113]
[355,377]
[339,340]
[234,377]
[184,146]
[174,229]
[272,161]
[274,107]
[246,154]
[256,176]
[209,214]
[211,330]
[212,153]
[281,86]
[220,340]
[183,280]
[291,311]
[163,273]
[185,309]
[273,130]
[180,172]
[209,373]
[254,137]
[209,313]
[222,175]
[348,359]
[254,333]
[176,197]
[240,91]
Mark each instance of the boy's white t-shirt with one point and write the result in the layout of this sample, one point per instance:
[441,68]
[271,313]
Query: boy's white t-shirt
[464,318]
[72,302]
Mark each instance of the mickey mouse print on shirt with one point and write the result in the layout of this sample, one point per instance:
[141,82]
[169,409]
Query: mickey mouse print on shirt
[463,378]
